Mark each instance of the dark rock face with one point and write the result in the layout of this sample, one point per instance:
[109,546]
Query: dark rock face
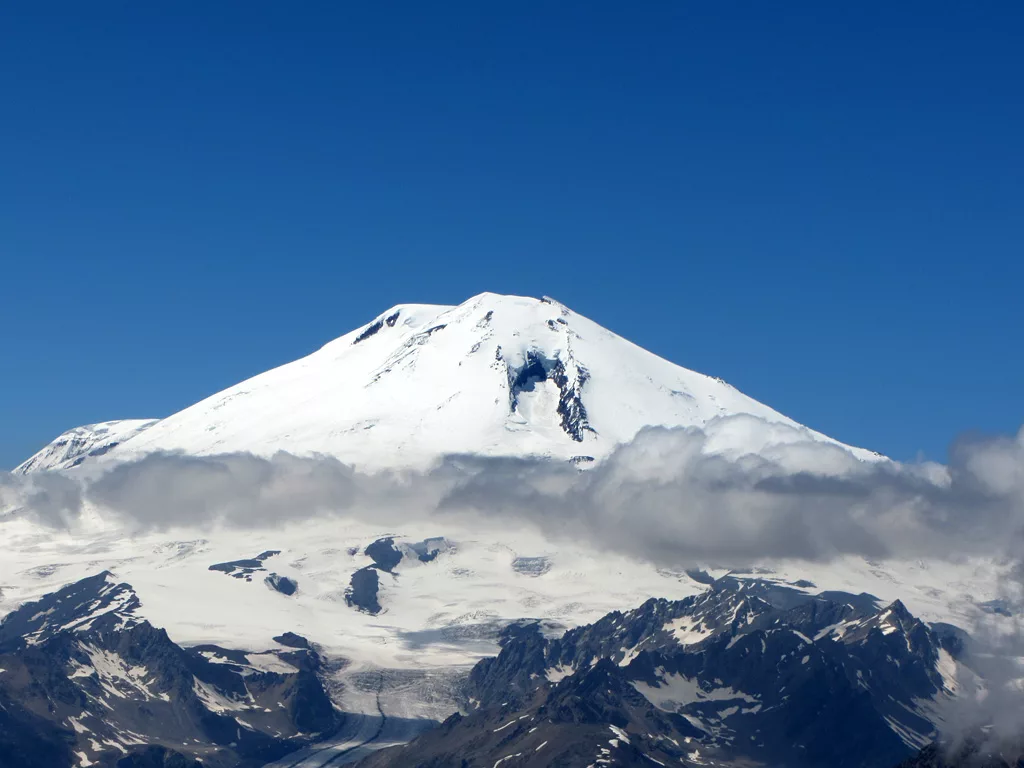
[362,591]
[533,371]
[292,640]
[701,577]
[85,679]
[570,401]
[281,584]
[158,757]
[384,554]
[377,325]
[244,569]
[569,378]
[365,583]
[369,331]
[28,740]
[748,672]
[579,722]
[97,601]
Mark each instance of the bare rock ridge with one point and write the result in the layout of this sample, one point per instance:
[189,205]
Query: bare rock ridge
[86,681]
[745,673]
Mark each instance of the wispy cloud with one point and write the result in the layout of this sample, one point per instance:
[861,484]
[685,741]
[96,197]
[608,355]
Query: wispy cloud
[669,496]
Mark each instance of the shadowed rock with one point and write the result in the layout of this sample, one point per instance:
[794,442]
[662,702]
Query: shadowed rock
[362,591]
[281,584]
[384,554]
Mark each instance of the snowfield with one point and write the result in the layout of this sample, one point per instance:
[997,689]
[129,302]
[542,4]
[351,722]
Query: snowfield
[438,617]
[80,444]
[496,376]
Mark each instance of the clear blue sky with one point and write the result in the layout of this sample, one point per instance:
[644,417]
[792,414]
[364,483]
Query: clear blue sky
[823,203]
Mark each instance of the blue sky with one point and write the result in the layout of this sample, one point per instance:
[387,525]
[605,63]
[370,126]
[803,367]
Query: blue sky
[821,203]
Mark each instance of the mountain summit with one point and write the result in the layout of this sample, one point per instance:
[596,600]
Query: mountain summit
[494,376]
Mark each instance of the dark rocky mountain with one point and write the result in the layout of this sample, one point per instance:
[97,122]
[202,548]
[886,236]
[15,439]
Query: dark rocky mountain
[84,681]
[747,673]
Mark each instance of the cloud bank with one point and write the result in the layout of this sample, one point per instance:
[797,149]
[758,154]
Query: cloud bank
[670,496]
[674,497]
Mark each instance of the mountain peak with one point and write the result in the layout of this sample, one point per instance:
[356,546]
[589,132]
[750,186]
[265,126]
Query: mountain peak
[497,375]
[96,601]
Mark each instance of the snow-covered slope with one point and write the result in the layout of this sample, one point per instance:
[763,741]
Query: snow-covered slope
[438,615]
[496,375]
[400,608]
[76,445]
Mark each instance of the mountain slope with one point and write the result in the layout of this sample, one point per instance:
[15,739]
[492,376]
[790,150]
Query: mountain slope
[496,376]
[85,681]
[76,445]
[746,673]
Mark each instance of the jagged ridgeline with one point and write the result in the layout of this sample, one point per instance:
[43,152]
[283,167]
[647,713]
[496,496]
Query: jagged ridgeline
[85,681]
[748,673]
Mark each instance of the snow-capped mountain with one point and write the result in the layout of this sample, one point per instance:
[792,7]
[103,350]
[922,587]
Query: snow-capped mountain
[75,446]
[494,376]
[396,611]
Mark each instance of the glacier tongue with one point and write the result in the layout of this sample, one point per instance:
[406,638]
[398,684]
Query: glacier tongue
[494,376]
